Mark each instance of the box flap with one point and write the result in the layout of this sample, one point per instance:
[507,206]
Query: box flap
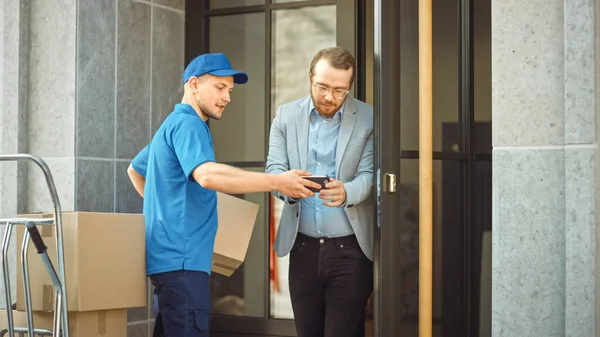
[236,223]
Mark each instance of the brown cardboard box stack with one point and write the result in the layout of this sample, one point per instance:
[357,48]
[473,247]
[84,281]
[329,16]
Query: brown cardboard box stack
[109,323]
[105,270]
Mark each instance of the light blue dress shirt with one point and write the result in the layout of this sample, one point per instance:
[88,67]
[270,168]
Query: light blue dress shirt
[317,219]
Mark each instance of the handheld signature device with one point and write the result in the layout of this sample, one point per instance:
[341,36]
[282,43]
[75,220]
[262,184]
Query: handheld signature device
[319,179]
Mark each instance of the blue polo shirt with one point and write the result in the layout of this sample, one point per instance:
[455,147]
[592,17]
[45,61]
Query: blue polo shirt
[181,215]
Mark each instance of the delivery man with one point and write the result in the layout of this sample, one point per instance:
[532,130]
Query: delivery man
[177,176]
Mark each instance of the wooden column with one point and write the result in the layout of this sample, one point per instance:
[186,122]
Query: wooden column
[425,170]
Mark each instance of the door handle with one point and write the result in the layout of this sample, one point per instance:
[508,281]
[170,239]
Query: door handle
[389,183]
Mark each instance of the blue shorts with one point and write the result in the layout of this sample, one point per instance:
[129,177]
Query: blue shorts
[183,308]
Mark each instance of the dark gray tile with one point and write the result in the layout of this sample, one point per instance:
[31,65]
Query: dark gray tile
[167,63]
[137,314]
[96,79]
[138,330]
[133,73]
[152,313]
[151,327]
[127,198]
[176,4]
[95,185]
[151,299]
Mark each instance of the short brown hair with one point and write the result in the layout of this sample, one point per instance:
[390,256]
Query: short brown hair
[337,57]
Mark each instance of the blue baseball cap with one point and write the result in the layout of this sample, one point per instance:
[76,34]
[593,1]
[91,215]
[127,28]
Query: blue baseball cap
[215,64]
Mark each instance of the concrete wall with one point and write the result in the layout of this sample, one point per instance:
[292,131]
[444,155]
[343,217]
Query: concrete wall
[545,182]
[84,84]
[14,42]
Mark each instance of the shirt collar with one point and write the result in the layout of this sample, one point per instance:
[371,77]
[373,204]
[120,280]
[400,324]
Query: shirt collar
[186,109]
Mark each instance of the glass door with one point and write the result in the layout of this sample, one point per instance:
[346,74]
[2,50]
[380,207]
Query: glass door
[274,42]
[461,217]
[386,90]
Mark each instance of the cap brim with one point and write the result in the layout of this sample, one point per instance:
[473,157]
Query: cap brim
[238,76]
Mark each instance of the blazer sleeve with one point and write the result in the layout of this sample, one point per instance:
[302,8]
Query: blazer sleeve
[359,189]
[277,158]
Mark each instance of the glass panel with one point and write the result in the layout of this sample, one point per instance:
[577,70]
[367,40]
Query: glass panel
[445,72]
[282,1]
[369,46]
[234,3]
[242,293]
[281,305]
[240,134]
[297,35]
[481,224]
[482,61]
[446,253]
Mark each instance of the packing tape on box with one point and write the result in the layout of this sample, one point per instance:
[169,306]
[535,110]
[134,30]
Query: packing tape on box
[223,266]
[102,322]
[47,297]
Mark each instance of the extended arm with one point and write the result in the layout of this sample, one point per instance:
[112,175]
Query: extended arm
[191,142]
[228,179]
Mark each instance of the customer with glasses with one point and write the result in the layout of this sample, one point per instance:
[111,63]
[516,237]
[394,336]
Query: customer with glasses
[328,236]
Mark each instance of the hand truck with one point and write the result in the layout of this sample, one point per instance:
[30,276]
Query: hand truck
[61,317]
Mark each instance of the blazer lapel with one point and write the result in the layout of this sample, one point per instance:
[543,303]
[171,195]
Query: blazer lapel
[302,121]
[346,129]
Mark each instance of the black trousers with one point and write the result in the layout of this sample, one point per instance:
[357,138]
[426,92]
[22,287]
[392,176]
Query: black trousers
[330,282]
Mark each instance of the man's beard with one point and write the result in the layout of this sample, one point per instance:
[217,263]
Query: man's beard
[331,109]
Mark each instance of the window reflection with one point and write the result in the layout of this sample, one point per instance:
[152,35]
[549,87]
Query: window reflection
[446,217]
[240,134]
[281,1]
[297,35]
[242,293]
[445,46]
[281,305]
[234,3]
[238,137]
[482,60]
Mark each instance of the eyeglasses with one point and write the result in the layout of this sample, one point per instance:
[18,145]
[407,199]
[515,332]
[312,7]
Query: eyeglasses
[337,93]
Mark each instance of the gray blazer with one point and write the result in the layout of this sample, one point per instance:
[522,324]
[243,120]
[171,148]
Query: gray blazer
[288,149]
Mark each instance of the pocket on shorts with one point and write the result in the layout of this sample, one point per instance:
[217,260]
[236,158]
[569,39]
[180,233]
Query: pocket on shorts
[202,320]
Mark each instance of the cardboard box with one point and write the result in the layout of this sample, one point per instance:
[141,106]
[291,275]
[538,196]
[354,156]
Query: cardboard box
[104,323]
[236,223]
[105,262]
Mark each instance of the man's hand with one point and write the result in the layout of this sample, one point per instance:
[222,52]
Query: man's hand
[292,184]
[334,193]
